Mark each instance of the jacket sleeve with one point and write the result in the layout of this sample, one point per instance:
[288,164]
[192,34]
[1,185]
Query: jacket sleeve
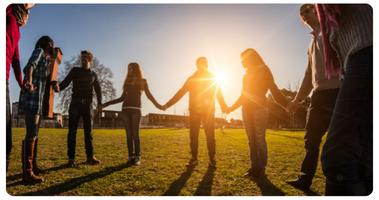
[150,96]
[306,85]
[182,91]
[33,61]
[16,66]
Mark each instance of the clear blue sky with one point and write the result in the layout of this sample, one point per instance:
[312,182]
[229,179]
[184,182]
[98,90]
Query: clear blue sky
[166,40]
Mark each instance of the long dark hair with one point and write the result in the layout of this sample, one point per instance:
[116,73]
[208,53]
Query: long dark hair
[20,12]
[135,78]
[46,43]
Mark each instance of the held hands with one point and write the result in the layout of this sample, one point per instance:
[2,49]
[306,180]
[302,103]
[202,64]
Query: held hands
[56,87]
[99,108]
[164,107]
[292,106]
[226,110]
[28,87]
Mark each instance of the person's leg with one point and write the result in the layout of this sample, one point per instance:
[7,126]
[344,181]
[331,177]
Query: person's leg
[319,115]
[8,129]
[73,121]
[209,130]
[87,114]
[347,153]
[32,122]
[126,118]
[248,122]
[260,124]
[195,121]
[135,124]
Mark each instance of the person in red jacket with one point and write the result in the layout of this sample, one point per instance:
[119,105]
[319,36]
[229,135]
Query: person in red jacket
[17,16]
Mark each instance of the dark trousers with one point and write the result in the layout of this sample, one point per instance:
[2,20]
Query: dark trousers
[8,128]
[195,122]
[132,119]
[319,115]
[347,156]
[32,123]
[76,111]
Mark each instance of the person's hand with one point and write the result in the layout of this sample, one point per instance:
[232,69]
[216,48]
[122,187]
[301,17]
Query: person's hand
[226,110]
[56,87]
[103,106]
[28,87]
[164,107]
[99,108]
[292,106]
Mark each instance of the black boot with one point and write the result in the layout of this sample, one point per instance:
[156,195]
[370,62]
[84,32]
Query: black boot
[356,189]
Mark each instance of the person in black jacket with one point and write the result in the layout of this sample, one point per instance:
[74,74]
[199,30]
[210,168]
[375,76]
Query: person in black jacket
[133,87]
[203,88]
[256,83]
[84,82]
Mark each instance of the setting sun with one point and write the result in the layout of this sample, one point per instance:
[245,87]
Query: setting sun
[221,78]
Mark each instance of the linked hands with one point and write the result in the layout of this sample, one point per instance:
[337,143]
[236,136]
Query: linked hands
[292,106]
[28,87]
[56,87]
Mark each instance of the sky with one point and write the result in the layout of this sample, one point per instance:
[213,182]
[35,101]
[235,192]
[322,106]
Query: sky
[167,39]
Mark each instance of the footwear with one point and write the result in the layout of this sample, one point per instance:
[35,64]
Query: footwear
[212,164]
[137,160]
[192,162]
[93,160]
[36,170]
[130,160]
[298,184]
[258,173]
[249,172]
[71,162]
[27,162]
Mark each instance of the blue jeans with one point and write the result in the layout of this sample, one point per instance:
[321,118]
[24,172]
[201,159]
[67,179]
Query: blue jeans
[347,156]
[8,128]
[76,111]
[132,119]
[255,126]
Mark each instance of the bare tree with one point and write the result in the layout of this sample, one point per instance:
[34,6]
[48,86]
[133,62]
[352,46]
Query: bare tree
[104,75]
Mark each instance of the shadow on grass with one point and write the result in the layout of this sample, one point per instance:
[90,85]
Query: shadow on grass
[178,184]
[205,186]
[291,137]
[267,188]
[75,182]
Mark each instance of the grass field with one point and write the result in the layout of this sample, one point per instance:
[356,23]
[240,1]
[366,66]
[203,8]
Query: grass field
[162,172]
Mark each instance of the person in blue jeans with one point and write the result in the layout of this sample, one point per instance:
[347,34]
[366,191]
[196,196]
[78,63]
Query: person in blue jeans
[256,83]
[133,87]
[84,81]
[347,156]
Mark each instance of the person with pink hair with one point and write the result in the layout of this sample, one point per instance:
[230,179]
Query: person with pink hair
[347,155]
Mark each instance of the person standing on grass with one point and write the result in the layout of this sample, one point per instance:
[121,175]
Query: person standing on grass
[203,88]
[16,17]
[325,91]
[134,85]
[347,155]
[256,83]
[84,82]
[31,104]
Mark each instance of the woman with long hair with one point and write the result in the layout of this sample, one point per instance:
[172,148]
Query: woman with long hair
[31,103]
[133,87]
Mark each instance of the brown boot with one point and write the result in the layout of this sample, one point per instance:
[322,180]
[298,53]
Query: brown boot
[36,170]
[27,162]
[93,160]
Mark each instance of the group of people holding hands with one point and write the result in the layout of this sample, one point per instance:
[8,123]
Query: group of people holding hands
[339,73]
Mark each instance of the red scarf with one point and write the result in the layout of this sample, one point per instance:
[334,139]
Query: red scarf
[328,15]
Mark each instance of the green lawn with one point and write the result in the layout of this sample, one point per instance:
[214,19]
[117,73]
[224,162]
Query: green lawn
[162,172]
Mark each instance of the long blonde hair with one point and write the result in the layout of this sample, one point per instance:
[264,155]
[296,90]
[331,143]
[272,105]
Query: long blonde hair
[135,78]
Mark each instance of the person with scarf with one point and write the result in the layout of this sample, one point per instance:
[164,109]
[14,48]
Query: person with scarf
[203,91]
[256,83]
[16,17]
[347,155]
[320,111]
